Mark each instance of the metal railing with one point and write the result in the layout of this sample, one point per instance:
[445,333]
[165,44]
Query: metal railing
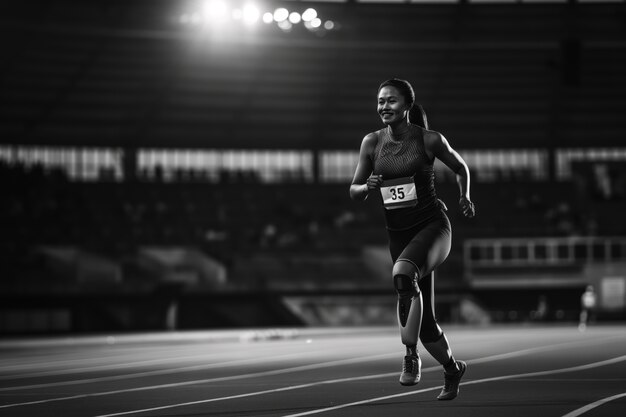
[542,251]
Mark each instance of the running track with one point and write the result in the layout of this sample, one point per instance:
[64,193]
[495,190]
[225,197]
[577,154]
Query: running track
[512,371]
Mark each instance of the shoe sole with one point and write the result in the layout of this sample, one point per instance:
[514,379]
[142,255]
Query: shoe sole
[410,383]
[452,397]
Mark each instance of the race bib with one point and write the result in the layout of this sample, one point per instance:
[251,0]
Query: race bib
[398,193]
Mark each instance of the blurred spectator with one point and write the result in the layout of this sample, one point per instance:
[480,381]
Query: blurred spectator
[541,312]
[588,306]
[603,188]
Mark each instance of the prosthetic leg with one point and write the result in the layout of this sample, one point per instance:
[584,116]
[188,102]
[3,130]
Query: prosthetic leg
[409,318]
[409,309]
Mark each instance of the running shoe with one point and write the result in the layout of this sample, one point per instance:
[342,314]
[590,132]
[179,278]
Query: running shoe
[451,387]
[410,370]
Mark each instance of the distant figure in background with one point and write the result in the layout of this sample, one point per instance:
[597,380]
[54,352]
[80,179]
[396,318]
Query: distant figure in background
[587,307]
[541,313]
[398,161]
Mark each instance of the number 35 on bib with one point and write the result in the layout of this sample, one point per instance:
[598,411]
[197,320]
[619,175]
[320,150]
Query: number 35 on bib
[398,193]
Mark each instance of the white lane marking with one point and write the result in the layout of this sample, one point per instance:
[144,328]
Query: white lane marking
[208,380]
[252,394]
[169,371]
[588,407]
[474,382]
[221,364]
[66,367]
[112,366]
[77,365]
[101,359]
[351,379]
[238,362]
[294,369]
[75,358]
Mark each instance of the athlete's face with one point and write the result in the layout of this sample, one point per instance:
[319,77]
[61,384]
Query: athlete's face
[392,106]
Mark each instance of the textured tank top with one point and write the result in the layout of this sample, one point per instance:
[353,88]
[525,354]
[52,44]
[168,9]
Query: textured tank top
[407,158]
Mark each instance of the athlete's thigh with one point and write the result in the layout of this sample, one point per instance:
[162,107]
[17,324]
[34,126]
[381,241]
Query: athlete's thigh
[398,240]
[430,246]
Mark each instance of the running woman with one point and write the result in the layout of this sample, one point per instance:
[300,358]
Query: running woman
[398,161]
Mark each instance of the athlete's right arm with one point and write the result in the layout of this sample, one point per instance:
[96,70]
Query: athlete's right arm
[363,181]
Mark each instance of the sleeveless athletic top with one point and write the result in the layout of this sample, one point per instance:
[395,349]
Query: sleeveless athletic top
[407,158]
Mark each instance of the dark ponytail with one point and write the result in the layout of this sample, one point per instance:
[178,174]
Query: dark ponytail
[417,116]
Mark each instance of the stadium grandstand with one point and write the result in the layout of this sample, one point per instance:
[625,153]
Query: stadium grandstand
[186,164]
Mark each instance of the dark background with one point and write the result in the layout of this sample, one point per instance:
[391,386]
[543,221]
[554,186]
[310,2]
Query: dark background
[158,174]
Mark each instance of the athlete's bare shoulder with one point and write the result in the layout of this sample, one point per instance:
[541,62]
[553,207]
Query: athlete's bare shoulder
[434,142]
[371,138]
[432,138]
[370,141]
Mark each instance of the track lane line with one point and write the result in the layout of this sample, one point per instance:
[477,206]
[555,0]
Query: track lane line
[252,394]
[127,363]
[292,369]
[112,366]
[207,380]
[474,382]
[124,360]
[582,410]
[66,366]
[141,374]
[168,371]
[214,365]
[485,359]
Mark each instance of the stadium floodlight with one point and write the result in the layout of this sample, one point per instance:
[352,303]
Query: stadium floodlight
[215,10]
[281,14]
[214,14]
[316,22]
[295,18]
[285,25]
[268,18]
[195,19]
[309,14]
[250,14]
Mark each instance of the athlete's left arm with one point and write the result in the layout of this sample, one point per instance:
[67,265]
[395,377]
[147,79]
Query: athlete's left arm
[439,147]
